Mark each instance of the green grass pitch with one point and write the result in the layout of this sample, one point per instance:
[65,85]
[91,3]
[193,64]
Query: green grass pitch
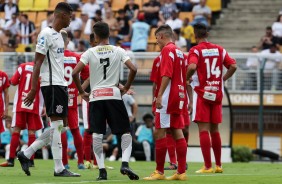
[241,173]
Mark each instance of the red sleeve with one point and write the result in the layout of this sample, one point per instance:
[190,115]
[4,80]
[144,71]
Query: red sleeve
[166,67]
[228,60]
[6,82]
[193,57]
[84,74]
[153,76]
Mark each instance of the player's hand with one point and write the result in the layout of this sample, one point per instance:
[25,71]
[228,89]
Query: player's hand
[43,113]
[5,114]
[85,96]
[130,92]
[30,97]
[190,108]
[131,119]
[123,90]
[159,102]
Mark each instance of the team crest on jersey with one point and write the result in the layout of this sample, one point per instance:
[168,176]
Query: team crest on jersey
[59,109]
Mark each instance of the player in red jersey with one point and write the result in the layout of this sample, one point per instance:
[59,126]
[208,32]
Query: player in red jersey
[170,101]
[70,61]
[4,99]
[24,116]
[206,61]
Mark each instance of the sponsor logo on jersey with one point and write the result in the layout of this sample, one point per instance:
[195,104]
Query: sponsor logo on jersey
[59,109]
[41,41]
[29,68]
[103,92]
[210,52]
[60,50]
[179,53]
[70,60]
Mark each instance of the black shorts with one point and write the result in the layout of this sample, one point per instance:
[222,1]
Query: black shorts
[56,100]
[112,112]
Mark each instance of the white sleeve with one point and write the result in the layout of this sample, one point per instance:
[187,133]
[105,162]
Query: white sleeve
[87,29]
[138,130]
[131,100]
[124,56]
[85,57]
[43,43]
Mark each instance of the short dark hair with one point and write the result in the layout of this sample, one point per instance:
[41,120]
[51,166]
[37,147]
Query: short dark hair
[166,29]
[201,30]
[91,37]
[177,31]
[101,29]
[121,11]
[147,116]
[49,13]
[25,16]
[278,18]
[65,7]
[98,12]
[268,28]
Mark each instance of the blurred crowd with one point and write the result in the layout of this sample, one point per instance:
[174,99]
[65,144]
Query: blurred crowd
[130,25]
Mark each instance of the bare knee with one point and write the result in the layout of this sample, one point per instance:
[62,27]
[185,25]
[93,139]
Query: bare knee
[214,128]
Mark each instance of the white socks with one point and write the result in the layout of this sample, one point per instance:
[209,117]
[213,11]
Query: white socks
[98,149]
[56,144]
[147,150]
[126,147]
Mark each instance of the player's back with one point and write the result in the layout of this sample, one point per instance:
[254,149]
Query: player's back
[208,77]
[70,61]
[105,65]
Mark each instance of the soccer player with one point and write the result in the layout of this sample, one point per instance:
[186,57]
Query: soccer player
[49,62]
[70,61]
[206,61]
[4,99]
[106,105]
[170,100]
[24,116]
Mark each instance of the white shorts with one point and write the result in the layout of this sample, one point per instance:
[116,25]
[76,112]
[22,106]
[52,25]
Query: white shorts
[85,115]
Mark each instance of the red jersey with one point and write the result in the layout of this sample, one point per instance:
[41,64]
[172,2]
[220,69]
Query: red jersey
[22,78]
[153,78]
[70,61]
[208,79]
[172,65]
[4,84]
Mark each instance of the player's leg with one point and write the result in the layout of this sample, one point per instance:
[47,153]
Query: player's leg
[177,124]
[147,150]
[97,118]
[65,159]
[202,113]
[18,123]
[117,119]
[162,122]
[78,143]
[215,136]
[171,151]
[31,139]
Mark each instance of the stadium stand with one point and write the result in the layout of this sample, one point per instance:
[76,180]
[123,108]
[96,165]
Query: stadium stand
[215,5]
[118,4]
[41,15]
[53,4]
[31,16]
[40,5]
[25,5]
[183,15]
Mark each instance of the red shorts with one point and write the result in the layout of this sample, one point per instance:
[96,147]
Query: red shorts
[73,118]
[163,120]
[2,124]
[186,119]
[27,120]
[206,112]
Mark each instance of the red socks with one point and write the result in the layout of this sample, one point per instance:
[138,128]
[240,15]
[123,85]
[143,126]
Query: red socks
[216,146]
[87,141]
[31,139]
[171,148]
[181,151]
[205,143]
[14,144]
[161,146]
[78,144]
[65,148]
